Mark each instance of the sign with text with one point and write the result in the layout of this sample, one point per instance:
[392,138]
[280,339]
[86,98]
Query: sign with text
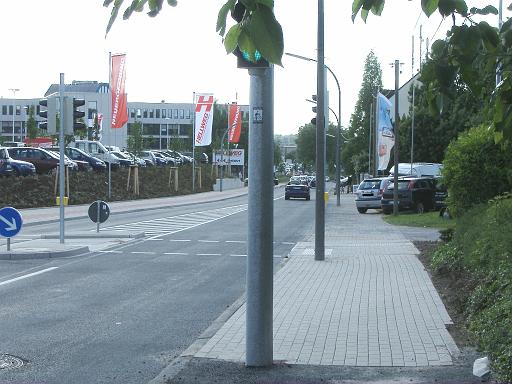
[231,157]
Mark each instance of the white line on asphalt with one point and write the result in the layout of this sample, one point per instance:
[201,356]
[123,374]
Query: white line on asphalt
[143,253]
[155,239]
[235,241]
[29,275]
[287,243]
[208,254]
[175,253]
[109,251]
[238,255]
[208,241]
[177,240]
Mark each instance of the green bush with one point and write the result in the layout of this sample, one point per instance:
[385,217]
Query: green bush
[481,252]
[476,169]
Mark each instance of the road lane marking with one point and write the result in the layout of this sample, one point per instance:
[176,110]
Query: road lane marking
[238,255]
[27,276]
[177,240]
[109,251]
[208,241]
[208,254]
[143,253]
[287,243]
[155,239]
[175,253]
[235,241]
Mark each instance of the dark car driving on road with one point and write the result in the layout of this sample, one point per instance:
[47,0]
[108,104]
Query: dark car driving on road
[297,189]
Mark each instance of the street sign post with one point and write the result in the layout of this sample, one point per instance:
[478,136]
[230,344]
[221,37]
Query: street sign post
[99,211]
[10,224]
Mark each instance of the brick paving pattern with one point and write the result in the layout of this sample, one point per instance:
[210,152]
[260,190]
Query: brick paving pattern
[370,303]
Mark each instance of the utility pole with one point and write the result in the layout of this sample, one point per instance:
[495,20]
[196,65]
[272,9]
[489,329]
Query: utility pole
[259,314]
[320,141]
[395,147]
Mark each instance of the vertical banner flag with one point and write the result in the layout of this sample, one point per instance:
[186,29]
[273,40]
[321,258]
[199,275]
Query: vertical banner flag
[203,119]
[235,123]
[385,131]
[118,77]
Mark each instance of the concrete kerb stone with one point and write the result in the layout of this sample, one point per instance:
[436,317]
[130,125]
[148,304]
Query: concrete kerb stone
[97,235]
[43,253]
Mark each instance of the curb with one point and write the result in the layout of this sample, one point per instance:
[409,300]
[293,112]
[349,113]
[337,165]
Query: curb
[38,253]
[97,235]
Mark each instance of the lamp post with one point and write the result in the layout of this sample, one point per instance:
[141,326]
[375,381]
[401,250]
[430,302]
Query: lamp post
[14,90]
[338,117]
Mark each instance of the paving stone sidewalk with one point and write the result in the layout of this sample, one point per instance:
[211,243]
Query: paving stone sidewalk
[370,303]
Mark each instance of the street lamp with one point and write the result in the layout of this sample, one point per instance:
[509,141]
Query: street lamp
[14,90]
[338,117]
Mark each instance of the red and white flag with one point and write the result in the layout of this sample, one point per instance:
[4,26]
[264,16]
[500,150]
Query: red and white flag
[119,107]
[235,123]
[203,119]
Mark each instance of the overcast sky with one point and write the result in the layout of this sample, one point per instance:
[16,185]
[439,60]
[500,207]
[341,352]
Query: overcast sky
[178,52]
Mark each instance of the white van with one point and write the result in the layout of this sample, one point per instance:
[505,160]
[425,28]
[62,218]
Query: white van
[418,169]
[96,149]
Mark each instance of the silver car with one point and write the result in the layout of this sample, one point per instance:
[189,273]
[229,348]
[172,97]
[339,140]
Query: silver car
[370,192]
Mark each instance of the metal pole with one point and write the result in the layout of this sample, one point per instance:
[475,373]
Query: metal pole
[500,23]
[98,216]
[8,244]
[320,141]
[194,144]
[338,146]
[395,147]
[61,161]
[110,111]
[412,126]
[14,90]
[259,315]
[370,141]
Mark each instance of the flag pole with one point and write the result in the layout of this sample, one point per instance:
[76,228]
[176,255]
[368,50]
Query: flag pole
[194,142]
[110,127]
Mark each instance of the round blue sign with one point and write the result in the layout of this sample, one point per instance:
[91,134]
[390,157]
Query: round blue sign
[10,222]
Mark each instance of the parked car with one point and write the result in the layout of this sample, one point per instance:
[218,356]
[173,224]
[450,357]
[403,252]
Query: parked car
[296,189]
[77,154]
[10,166]
[148,157]
[96,149]
[43,160]
[369,193]
[160,158]
[124,159]
[413,194]
[82,165]
[172,159]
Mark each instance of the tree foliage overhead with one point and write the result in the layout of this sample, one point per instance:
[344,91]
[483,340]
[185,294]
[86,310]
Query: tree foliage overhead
[255,26]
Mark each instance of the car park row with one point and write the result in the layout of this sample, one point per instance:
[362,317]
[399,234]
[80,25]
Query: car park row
[83,155]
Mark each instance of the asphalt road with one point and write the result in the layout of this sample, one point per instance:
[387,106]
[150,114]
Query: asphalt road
[121,316]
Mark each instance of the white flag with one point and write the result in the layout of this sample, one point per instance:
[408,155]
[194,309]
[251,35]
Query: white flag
[203,119]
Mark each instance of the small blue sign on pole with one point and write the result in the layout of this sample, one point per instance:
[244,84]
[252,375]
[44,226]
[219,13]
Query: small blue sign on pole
[10,222]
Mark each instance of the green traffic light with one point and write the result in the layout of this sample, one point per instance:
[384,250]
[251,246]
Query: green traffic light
[257,56]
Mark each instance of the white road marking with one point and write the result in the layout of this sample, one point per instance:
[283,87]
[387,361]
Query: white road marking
[176,240]
[287,243]
[143,253]
[238,255]
[208,254]
[156,239]
[109,251]
[235,241]
[208,241]
[27,276]
[175,253]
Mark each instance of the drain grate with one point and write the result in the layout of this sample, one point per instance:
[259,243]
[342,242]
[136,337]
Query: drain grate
[10,362]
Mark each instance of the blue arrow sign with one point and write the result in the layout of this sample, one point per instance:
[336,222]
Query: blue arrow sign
[10,222]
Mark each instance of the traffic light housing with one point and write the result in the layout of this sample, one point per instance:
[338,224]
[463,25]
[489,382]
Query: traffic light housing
[50,114]
[245,61]
[72,114]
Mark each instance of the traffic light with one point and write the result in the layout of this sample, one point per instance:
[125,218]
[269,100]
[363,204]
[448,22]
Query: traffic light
[313,120]
[50,113]
[72,114]
[245,59]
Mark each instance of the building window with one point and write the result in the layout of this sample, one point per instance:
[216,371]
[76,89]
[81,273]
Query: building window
[164,114]
[151,113]
[132,113]
[182,114]
[188,113]
[4,109]
[157,111]
[18,110]
[92,109]
[11,110]
[138,113]
[145,113]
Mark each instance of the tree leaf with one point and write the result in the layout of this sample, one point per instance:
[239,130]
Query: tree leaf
[172,3]
[429,6]
[222,16]
[446,7]
[378,7]
[266,34]
[461,7]
[266,3]
[488,10]
[231,40]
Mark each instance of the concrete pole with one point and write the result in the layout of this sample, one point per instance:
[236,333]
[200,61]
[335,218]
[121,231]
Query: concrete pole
[259,351]
[395,147]
[320,141]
